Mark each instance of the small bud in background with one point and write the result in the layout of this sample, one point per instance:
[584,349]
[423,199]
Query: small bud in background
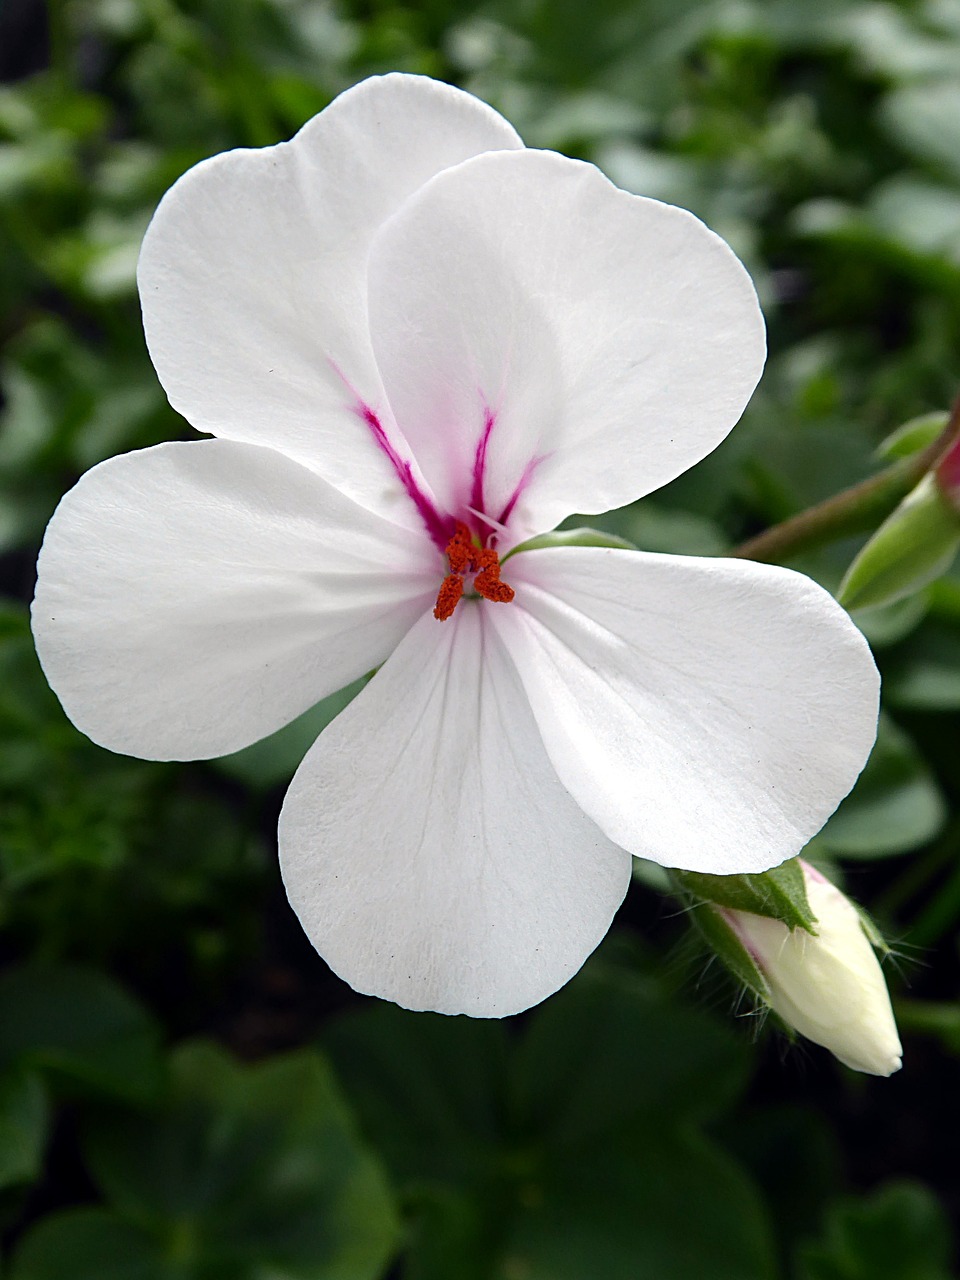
[913,546]
[827,985]
[948,478]
[914,436]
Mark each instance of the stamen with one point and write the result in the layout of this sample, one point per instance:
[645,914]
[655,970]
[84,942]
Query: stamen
[487,582]
[460,550]
[464,556]
[448,597]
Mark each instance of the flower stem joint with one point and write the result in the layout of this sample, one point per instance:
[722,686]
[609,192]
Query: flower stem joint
[465,556]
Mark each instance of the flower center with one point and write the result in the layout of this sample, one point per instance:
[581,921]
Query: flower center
[465,557]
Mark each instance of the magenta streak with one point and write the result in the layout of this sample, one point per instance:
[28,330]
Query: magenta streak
[440,528]
[733,920]
[524,480]
[480,462]
[948,473]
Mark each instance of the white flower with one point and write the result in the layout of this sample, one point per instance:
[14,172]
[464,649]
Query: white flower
[399,323]
[828,986]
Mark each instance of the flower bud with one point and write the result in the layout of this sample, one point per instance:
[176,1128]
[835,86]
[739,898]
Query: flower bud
[948,477]
[827,985]
[913,546]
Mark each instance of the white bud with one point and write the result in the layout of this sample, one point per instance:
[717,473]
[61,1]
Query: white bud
[827,986]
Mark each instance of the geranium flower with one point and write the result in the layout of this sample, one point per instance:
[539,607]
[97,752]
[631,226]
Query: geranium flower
[418,344]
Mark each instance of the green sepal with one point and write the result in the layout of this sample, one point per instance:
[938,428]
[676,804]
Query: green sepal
[913,436]
[723,942]
[780,893]
[874,936]
[572,538]
[913,546]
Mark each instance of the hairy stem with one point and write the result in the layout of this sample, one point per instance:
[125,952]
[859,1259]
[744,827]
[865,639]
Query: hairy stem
[855,510]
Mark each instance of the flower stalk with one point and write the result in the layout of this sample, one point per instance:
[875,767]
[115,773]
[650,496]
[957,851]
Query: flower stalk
[855,510]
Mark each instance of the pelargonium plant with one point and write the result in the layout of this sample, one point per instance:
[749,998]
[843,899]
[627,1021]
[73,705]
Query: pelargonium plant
[418,347]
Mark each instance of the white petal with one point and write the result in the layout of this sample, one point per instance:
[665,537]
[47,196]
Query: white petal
[253,273]
[193,598]
[613,340]
[426,845]
[707,714]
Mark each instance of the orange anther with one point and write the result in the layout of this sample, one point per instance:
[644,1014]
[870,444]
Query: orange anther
[486,559]
[460,550]
[488,585]
[464,556]
[448,597]
[487,582]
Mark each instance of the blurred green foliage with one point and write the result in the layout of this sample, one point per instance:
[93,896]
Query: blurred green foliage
[571,1124]
[612,1135]
[103,858]
[223,1169]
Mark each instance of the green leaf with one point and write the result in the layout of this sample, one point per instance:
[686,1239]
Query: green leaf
[925,118]
[920,216]
[646,1203]
[595,1033]
[24,1127]
[577,1153]
[249,1171]
[924,672]
[428,1088]
[795,464]
[892,43]
[779,893]
[913,546]
[899,1233]
[795,1188]
[91,1244]
[895,806]
[76,1024]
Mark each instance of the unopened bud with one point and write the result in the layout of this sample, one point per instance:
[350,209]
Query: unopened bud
[827,985]
[948,477]
[913,546]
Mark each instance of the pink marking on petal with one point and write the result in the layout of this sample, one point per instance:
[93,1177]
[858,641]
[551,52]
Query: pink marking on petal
[480,461]
[733,920]
[811,872]
[438,526]
[522,483]
[948,475]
